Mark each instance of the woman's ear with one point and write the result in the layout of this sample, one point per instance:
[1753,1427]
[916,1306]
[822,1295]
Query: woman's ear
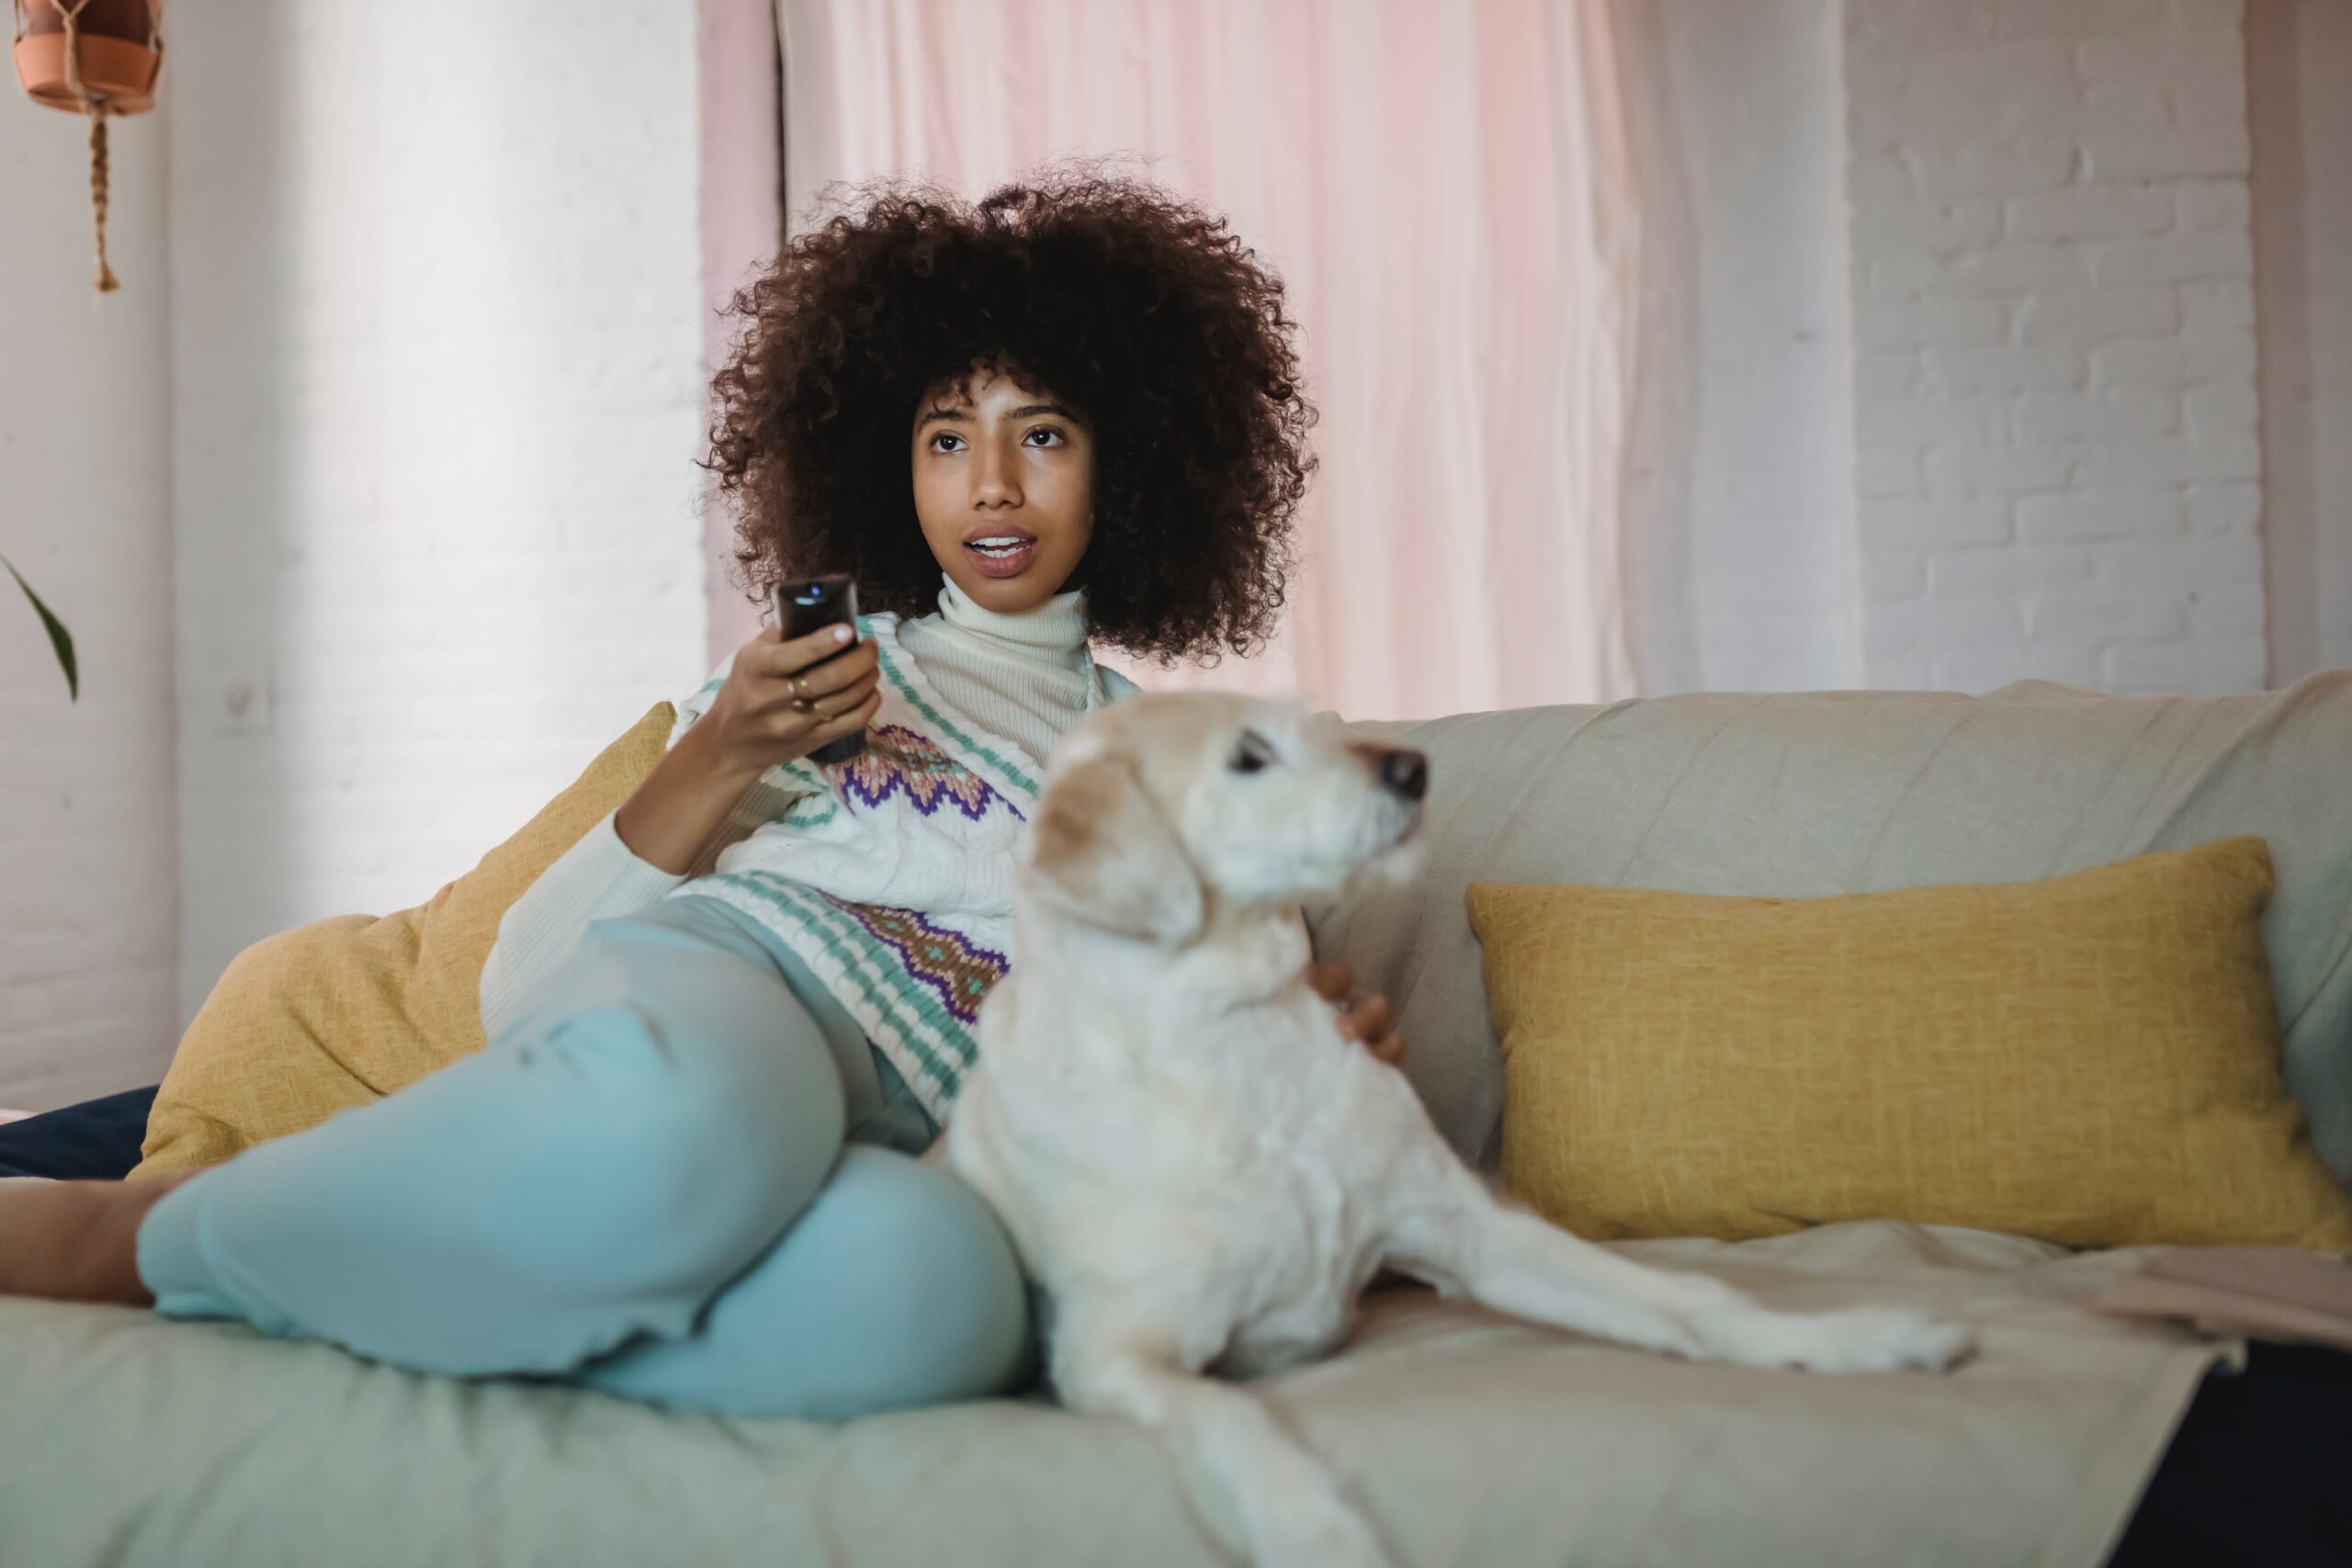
[1101,852]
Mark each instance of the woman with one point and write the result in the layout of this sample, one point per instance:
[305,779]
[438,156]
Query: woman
[724,1025]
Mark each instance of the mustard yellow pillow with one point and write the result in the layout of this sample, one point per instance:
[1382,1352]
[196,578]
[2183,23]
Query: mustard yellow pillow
[344,1011]
[2092,1059]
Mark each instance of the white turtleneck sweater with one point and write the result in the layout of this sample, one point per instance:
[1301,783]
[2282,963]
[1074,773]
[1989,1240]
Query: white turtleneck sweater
[1022,677]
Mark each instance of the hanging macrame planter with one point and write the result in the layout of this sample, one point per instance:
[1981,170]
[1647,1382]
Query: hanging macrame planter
[100,58]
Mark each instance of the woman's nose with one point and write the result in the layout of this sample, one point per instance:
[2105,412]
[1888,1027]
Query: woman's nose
[994,482]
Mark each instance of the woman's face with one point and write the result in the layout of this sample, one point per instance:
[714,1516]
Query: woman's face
[1005,487]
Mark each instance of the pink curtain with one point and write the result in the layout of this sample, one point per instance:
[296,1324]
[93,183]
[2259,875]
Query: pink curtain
[1445,187]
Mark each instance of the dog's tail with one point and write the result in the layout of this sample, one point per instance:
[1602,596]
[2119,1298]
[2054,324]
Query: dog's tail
[1238,1464]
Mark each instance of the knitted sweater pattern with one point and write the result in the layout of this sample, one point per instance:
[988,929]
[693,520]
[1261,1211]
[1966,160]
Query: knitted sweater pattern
[890,874]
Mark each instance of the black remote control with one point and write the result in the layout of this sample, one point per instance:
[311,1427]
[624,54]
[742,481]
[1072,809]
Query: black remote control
[810,606]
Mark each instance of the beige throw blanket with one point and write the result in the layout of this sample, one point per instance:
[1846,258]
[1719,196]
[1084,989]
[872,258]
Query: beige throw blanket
[1473,1442]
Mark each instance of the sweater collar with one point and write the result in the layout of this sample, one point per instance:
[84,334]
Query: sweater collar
[1053,633]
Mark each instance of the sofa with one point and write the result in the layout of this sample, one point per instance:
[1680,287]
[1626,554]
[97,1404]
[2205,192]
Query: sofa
[1472,1441]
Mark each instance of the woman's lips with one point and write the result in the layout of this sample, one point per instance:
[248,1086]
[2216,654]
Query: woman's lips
[1000,555]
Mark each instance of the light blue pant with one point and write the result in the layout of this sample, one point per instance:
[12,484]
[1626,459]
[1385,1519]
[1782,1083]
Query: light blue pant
[672,1178]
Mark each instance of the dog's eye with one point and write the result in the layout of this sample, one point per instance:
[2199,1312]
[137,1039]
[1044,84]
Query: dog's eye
[1251,753]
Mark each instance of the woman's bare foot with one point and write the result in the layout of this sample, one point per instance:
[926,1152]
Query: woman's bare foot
[76,1241]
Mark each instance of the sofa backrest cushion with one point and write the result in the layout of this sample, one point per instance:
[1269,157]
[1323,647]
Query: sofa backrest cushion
[1794,796]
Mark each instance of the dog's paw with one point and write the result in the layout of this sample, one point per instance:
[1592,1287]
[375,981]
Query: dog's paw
[1859,1339]
[1870,1339]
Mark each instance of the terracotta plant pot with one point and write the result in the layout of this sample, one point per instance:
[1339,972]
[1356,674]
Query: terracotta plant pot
[119,43]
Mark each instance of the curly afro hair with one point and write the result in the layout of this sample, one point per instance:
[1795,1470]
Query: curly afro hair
[1143,312]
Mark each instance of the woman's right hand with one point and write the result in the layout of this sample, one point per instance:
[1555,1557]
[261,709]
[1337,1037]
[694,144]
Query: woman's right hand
[781,700]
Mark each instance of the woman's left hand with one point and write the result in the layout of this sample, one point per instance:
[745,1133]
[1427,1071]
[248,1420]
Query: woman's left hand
[1371,1020]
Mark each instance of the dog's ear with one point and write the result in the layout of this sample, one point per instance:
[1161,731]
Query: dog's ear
[1100,851]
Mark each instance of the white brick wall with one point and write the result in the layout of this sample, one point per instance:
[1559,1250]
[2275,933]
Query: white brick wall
[437,367]
[87,943]
[2057,471]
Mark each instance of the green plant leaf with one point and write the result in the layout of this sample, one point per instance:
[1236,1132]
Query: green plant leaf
[59,637]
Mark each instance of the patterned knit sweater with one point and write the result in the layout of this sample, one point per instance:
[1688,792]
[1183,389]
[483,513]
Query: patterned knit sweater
[891,874]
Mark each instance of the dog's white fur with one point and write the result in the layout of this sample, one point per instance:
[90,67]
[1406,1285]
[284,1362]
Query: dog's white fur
[1203,1173]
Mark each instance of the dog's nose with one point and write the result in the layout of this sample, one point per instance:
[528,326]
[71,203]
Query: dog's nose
[1406,773]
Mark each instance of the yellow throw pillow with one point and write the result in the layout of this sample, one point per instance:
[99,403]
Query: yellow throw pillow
[2092,1059]
[346,1010]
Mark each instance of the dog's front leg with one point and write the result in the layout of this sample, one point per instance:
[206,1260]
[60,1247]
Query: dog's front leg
[1459,1237]
[1234,1456]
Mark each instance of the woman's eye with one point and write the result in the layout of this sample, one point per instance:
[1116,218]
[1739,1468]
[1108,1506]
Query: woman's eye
[944,443]
[1251,754]
[1043,437]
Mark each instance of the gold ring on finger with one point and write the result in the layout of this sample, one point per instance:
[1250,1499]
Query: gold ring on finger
[802,705]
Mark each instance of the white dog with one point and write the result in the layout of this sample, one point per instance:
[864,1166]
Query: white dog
[1203,1172]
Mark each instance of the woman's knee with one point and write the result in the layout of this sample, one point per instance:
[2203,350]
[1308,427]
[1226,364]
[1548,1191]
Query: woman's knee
[735,1140]
[703,1100]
